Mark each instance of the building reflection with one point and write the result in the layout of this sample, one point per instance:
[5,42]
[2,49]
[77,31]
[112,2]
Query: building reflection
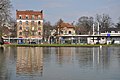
[84,56]
[95,57]
[29,60]
[47,54]
[104,55]
[65,54]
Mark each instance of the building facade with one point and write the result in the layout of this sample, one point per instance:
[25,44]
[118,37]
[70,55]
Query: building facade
[29,24]
[66,29]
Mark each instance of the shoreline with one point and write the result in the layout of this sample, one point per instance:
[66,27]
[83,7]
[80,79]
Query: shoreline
[59,45]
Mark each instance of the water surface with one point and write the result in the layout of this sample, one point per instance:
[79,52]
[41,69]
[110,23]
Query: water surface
[59,63]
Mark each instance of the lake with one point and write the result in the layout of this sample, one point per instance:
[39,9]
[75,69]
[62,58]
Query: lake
[59,63]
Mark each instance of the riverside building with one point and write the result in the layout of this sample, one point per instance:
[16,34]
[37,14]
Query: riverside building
[29,24]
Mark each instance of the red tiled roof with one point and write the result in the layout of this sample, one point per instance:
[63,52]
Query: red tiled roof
[29,12]
[62,25]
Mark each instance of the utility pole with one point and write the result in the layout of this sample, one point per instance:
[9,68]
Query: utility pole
[98,31]
[93,28]
[98,28]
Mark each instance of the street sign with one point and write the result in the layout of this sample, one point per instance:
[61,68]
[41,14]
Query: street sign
[108,35]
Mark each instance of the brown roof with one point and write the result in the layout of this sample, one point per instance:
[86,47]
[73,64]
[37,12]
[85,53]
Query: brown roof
[29,12]
[62,25]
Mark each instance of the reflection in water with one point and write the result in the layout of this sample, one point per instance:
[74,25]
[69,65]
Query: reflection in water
[60,63]
[1,49]
[93,57]
[85,57]
[29,61]
[7,63]
[64,54]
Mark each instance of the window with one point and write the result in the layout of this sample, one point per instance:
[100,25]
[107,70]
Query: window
[20,33]
[33,28]
[27,22]
[65,31]
[39,28]
[20,17]
[39,22]
[27,28]
[26,16]
[20,22]
[61,32]
[69,32]
[33,17]
[33,33]
[39,17]
[112,31]
[39,33]
[32,22]
[20,28]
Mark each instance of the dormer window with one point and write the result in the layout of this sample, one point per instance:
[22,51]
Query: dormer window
[20,17]
[33,17]
[27,17]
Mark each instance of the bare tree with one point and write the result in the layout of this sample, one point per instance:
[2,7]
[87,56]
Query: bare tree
[13,27]
[5,7]
[104,21]
[118,23]
[84,25]
[58,26]
[46,29]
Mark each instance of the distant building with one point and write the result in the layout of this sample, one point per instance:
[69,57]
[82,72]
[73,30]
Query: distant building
[111,30]
[66,29]
[29,24]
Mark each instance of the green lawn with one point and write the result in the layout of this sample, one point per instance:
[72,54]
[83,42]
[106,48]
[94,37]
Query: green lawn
[57,45]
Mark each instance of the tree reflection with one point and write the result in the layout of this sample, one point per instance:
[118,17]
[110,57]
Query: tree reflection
[84,57]
[7,62]
[1,49]
[17,63]
[65,54]
[93,57]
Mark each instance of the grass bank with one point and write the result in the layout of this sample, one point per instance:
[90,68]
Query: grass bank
[57,45]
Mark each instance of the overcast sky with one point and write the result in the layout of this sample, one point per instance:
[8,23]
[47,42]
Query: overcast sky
[70,10]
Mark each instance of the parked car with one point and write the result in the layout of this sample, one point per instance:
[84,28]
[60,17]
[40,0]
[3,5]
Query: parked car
[7,42]
[32,42]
